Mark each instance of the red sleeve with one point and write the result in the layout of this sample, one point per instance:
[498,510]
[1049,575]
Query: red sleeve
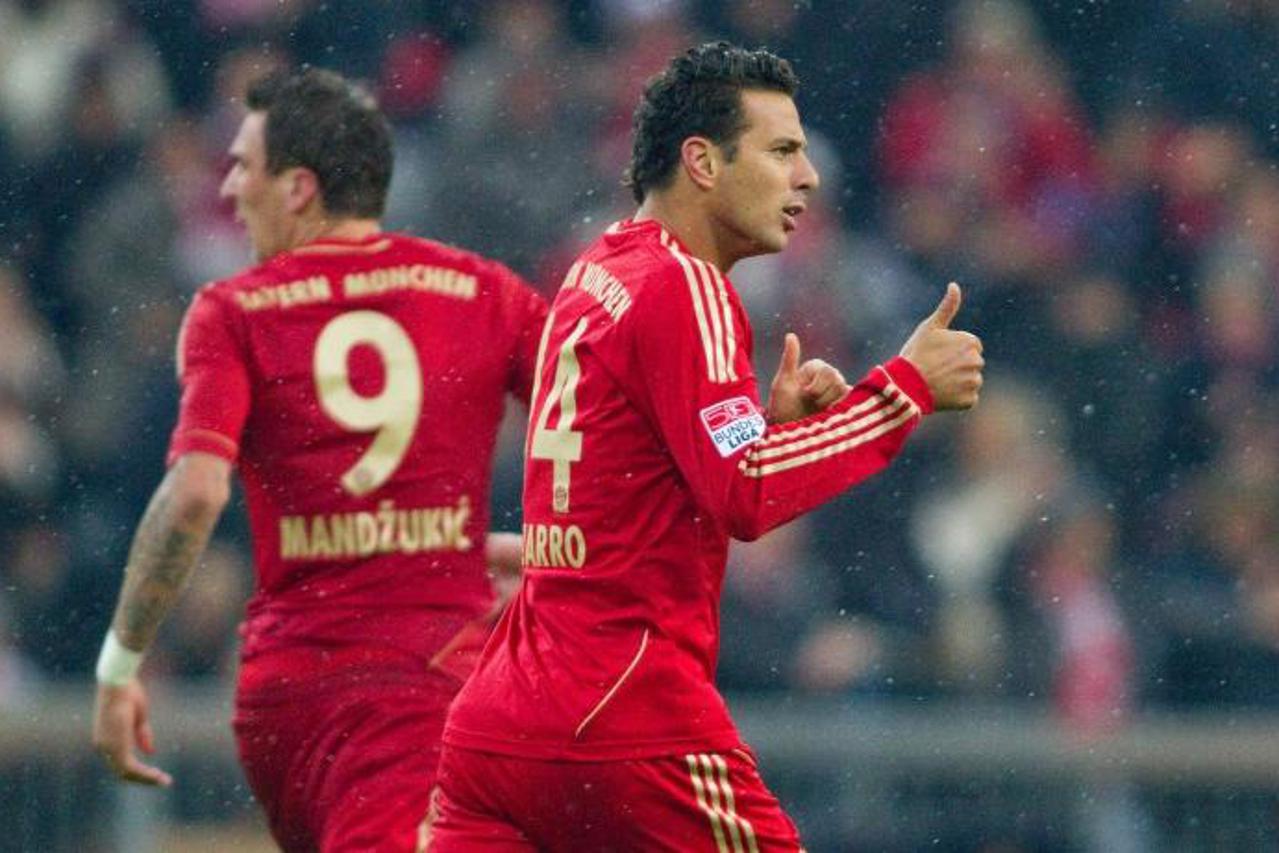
[702,393]
[213,372]
[525,314]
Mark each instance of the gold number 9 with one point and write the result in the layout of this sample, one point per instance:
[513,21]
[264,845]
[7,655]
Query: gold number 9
[393,413]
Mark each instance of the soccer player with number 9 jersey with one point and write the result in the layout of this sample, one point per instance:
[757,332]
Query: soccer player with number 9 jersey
[356,379]
[592,721]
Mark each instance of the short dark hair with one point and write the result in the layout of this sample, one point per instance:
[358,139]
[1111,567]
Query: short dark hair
[323,122]
[698,94]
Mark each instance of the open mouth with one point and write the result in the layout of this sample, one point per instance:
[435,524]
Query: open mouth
[789,214]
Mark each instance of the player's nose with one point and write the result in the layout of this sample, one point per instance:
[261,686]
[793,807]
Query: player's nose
[805,177]
[227,190]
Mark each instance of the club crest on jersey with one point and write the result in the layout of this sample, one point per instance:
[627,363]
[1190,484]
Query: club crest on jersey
[733,424]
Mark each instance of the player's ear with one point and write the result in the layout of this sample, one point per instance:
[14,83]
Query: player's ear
[302,188]
[701,161]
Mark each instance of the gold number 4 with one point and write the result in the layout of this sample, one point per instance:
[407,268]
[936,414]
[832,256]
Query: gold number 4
[393,413]
[561,445]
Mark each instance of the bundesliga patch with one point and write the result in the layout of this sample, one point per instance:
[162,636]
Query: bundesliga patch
[733,424]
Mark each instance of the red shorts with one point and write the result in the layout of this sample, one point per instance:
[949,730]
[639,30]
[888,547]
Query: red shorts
[350,768]
[704,802]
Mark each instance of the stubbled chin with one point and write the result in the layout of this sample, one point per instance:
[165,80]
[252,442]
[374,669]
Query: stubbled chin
[765,246]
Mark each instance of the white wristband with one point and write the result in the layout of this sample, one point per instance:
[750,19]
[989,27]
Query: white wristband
[117,665]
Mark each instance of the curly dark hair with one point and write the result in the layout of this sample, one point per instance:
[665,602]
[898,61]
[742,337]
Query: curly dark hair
[698,94]
[319,120]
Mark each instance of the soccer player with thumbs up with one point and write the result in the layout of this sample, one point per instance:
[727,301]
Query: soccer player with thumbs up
[592,721]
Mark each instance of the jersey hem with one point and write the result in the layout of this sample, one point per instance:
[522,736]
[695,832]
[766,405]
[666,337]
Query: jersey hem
[201,440]
[722,741]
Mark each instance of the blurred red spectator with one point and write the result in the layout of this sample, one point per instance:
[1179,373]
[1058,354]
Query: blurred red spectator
[413,74]
[994,136]
[1092,683]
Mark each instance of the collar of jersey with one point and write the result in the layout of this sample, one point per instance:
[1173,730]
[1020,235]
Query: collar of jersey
[326,245]
[663,235]
[630,226]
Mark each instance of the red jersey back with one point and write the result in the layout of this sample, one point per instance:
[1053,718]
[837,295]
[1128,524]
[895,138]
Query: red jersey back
[359,387]
[647,449]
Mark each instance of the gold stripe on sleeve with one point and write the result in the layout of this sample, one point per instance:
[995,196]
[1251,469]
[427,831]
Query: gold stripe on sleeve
[825,436]
[702,327]
[730,336]
[828,451]
[713,311]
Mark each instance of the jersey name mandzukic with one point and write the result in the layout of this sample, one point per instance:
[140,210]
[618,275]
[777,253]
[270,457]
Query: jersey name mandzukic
[359,386]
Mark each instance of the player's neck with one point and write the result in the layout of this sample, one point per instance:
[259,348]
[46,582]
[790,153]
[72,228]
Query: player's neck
[690,224]
[344,229]
[347,229]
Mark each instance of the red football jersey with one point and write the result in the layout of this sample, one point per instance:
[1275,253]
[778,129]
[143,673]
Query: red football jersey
[647,449]
[359,387]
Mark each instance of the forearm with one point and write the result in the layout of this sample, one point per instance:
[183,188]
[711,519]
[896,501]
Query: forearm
[168,543]
[503,553]
[798,466]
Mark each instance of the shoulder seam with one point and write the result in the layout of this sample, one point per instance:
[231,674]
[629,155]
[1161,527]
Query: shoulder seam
[708,294]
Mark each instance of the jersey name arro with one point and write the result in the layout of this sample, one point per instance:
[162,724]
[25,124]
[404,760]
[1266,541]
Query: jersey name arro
[554,546]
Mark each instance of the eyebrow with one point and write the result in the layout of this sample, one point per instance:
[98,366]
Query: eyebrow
[790,143]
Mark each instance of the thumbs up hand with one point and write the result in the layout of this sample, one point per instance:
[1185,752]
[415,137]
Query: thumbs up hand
[800,390]
[949,360]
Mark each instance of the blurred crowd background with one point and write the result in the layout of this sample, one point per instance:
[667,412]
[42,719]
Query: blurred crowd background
[1099,537]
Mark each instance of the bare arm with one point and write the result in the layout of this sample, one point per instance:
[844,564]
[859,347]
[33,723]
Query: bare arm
[503,552]
[169,540]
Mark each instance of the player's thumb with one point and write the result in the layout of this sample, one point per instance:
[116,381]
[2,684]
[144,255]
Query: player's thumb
[790,355]
[947,308]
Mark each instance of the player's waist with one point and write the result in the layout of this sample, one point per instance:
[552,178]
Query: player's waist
[282,674]
[645,696]
[282,659]
[341,620]
[657,714]
[386,583]
[723,739]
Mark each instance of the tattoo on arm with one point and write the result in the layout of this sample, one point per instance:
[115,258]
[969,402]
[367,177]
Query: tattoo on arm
[165,550]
